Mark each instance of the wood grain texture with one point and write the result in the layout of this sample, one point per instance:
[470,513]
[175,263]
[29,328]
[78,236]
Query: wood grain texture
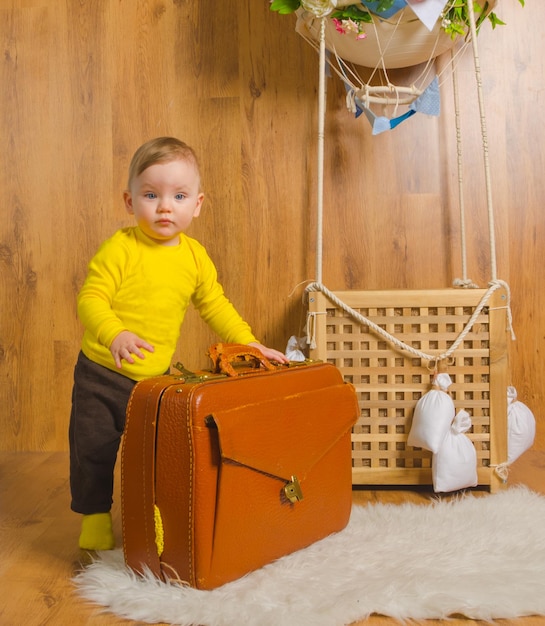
[85,83]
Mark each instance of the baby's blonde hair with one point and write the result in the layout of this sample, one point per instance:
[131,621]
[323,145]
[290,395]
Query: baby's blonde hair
[160,150]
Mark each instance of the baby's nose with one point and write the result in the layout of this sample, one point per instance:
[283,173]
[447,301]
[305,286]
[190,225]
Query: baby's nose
[164,207]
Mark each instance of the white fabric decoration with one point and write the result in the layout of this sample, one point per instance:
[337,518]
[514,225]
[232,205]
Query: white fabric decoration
[320,8]
[427,12]
[454,466]
[521,426]
[433,416]
[293,349]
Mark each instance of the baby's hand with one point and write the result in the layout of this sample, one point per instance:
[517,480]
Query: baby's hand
[270,353]
[126,344]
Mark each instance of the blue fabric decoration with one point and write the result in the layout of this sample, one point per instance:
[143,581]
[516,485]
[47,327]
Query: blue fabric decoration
[428,102]
[372,5]
[380,123]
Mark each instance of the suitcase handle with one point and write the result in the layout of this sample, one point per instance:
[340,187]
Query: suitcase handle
[224,355]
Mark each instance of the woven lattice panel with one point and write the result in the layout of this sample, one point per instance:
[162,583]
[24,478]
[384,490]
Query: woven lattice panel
[389,381]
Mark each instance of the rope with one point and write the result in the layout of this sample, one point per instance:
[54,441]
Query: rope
[489,203]
[493,286]
[321,138]
[502,471]
[464,281]
[381,51]
[311,328]
[494,283]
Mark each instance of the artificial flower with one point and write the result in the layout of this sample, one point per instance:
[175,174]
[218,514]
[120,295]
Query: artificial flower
[349,26]
[320,8]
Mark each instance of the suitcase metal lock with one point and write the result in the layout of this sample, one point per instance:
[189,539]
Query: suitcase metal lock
[293,490]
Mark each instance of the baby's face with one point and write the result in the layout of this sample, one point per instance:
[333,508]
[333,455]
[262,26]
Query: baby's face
[164,199]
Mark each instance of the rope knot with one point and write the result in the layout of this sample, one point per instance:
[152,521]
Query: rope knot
[466,283]
[502,471]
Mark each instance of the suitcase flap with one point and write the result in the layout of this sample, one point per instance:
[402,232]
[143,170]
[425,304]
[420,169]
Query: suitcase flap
[287,437]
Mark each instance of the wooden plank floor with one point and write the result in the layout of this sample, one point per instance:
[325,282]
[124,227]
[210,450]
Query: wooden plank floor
[38,545]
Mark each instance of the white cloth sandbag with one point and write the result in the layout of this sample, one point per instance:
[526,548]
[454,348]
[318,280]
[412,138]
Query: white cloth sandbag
[295,347]
[433,416]
[521,426]
[454,466]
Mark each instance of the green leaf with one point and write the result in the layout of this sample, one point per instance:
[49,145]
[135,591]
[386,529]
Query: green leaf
[458,14]
[455,30]
[284,7]
[495,20]
[353,13]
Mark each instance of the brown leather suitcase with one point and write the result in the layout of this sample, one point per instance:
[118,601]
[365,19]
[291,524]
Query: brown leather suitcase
[223,474]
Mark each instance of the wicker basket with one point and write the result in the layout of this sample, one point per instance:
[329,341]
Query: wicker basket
[389,381]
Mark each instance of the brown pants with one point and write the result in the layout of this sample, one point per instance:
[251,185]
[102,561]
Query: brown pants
[97,420]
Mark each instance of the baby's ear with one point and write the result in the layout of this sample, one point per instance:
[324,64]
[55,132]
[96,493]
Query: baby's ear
[197,210]
[127,198]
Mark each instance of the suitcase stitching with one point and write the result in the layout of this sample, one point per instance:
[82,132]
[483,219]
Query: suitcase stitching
[149,556]
[192,575]
[152,469]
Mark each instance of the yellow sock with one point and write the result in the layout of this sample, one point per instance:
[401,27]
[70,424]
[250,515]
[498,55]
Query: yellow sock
[97,532]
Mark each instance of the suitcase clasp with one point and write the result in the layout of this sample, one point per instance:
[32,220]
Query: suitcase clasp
[293,490]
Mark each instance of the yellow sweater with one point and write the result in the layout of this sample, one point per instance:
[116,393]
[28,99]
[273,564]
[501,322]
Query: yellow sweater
[134,284]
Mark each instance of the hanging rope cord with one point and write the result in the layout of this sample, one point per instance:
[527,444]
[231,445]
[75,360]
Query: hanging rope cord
[382,64]
[464,281]
[494,283]
[484,135]
[321,141]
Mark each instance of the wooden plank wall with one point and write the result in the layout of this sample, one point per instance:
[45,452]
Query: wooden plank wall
[85,82]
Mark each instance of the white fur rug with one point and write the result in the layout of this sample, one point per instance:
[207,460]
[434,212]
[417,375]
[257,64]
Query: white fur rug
[482,557]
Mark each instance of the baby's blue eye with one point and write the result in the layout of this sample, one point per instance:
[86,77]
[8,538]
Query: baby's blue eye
[150,195]
[179,196]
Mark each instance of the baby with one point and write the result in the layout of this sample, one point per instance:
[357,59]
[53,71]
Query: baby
[132,304]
